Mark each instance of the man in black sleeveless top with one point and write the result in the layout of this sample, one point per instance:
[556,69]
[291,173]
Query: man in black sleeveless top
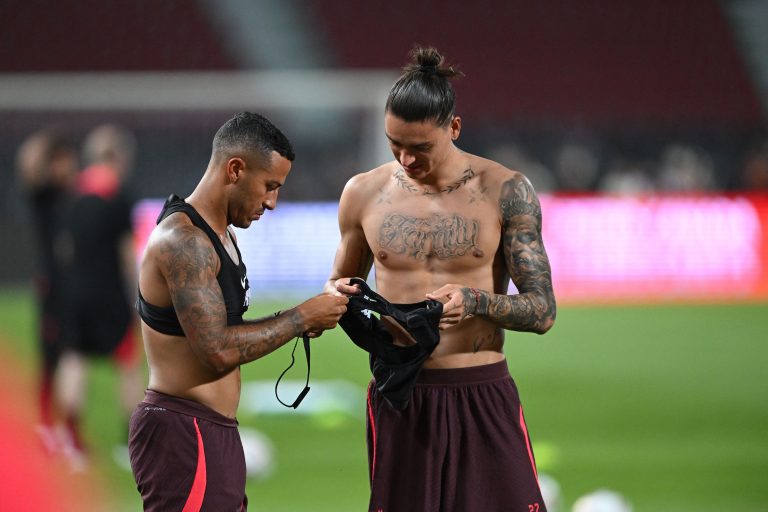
[184,445]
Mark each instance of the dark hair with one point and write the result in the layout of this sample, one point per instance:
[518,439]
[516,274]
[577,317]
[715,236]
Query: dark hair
[58,144]
[251,133]
[424,91]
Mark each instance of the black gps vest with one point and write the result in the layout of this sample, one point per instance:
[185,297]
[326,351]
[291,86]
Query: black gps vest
[395,368]
[232,278]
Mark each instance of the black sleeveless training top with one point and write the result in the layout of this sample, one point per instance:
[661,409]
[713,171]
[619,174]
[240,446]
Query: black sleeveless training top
[232,278]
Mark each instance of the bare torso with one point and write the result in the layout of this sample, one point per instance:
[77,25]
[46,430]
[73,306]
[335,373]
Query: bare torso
[175,370]
[421,241]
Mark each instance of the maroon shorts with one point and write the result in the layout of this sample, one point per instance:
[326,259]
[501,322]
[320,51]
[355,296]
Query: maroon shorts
[185,456]
[461,444]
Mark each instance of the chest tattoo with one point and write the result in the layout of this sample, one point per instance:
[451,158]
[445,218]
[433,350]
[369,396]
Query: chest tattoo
[477,195]
[383,197]
[441,236]
[403,183]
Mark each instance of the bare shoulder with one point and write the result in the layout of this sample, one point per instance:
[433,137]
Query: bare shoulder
[177,241]
[494,175]
[362,189]
[171,230]
[367,183]
[512,190]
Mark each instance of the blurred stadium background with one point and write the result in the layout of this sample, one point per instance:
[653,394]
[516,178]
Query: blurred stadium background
[641,123]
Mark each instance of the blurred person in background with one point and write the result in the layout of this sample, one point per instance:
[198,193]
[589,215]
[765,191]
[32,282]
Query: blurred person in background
[46,165]
[101,283]
[442,224]
[577,167]
[185,448]
[685,168]
[754,175]
[626,176]
[515,157]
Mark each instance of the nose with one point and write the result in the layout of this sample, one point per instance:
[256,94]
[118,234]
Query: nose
[406,159]
[271,200]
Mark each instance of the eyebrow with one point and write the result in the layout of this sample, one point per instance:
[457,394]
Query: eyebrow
[423,145]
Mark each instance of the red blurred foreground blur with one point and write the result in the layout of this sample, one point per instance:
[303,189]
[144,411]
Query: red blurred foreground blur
[31,479]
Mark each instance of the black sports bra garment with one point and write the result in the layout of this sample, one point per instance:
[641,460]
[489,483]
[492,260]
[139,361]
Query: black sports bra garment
[232,278]
[395,368]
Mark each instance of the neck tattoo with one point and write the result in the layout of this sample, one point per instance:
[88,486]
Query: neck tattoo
[404,183]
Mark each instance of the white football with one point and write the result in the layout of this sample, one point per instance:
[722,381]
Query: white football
[602,500]
[259,453]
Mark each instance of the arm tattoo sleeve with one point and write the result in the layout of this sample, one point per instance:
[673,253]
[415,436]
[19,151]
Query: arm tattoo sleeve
[191,265]
[534,308]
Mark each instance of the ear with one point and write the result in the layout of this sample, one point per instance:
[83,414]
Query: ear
[455,127]
[234,168]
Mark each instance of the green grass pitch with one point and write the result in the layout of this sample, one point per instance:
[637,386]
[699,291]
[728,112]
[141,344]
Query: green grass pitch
[667,404]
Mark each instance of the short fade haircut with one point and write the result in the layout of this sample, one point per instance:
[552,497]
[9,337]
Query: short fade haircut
[423,92]
[253,134]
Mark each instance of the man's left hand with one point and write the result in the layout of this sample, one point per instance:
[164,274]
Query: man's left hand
[455,307]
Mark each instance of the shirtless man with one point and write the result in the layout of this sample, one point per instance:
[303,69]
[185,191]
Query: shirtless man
[193,290]
[443,224]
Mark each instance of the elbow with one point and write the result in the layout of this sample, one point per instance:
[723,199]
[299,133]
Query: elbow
[211,352]
[545,325]
[548,319]
[217,362]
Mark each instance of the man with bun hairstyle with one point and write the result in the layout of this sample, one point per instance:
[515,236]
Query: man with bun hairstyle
[185,449]
[441,224]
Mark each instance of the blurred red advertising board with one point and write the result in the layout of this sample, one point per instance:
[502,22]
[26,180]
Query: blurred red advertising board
[658,248]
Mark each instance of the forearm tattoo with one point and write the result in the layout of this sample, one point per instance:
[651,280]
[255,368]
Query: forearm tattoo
[534,308]
[272,333]
[475,301]
[191,265]
[438,235]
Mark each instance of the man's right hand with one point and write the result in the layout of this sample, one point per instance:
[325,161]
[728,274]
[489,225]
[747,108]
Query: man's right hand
[344,288]
[322,312]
